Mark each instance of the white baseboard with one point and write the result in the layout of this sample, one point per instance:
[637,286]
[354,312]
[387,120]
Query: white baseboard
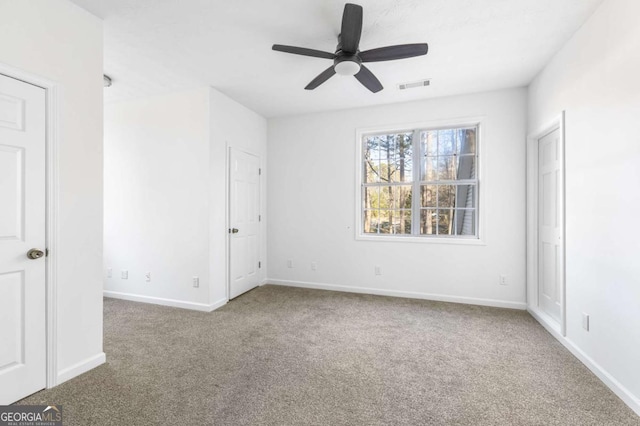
[546,321]
[616,387]
[81,367]
[202,307]
[219,304]
[405,294]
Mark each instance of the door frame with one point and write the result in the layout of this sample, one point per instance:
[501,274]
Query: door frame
[532,224]
[52,185]
[229,148]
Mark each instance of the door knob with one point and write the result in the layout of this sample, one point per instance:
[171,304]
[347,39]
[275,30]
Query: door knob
[234,230]
[35,253]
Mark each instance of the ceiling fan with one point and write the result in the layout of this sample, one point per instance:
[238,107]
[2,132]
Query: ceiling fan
[348,59]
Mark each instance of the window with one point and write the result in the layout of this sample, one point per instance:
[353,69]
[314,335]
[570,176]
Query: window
[421,183]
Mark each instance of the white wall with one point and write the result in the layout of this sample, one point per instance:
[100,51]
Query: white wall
[58,41]
[232,125]
[595,79]
[166,194]
[311,206]
[156,209]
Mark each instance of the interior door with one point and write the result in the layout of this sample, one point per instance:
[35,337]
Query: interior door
[22,228]
[550,251]
[244,211]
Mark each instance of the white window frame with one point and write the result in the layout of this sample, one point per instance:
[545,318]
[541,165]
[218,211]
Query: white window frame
[479,238]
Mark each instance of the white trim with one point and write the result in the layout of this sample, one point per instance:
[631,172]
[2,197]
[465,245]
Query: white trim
[194,306]
[81,367]
[227,213]
[404,294]
[532,218]
[52,210]
[53,185]
[433,240]
[616,387]
[480,122]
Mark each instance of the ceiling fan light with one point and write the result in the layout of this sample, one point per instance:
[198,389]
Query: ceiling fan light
[347,68]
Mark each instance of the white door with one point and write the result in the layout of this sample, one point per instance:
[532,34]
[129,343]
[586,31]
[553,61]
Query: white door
[550,249]
[244,221]
[22,227]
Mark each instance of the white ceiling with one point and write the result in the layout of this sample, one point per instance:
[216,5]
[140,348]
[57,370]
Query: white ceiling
[159,46]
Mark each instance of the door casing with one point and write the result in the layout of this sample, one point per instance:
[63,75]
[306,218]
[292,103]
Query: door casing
[532,224]
[52,208]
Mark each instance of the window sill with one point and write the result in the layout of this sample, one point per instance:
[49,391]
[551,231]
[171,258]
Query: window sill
[426,240]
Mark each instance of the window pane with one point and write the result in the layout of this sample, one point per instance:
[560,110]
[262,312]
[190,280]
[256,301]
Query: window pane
[401,222]
[387,170]
[371,160]
[445,224]
[428,221]
[446,142]
[428,195]
[370,222]
[401,197]
[466,141]
[446,196]
[404,166]
[429,143]
[430,169]
[405,218]
[396,157]
[465,222]
[447,168]
[385,221]
[371,171]
[466,196]
[404,157]
[385,197]
[466,167]
[372,197]
[376,220]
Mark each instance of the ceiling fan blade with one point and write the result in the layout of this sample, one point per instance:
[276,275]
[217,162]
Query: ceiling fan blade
[321,78]
[351,28]
[303,51]
[368,80]
[390,53]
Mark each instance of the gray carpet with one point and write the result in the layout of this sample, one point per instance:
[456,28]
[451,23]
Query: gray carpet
[287,356]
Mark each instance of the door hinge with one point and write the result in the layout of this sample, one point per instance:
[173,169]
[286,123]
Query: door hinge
[259,171]
[259,218]
[259,265]
[46,252]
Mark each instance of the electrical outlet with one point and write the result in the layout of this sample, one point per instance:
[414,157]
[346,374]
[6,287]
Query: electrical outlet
[147,277]
[109,272]
[503,280]
[585,321]
[124,274]
[314,266]
[196,282]
[378,270]
[290,264]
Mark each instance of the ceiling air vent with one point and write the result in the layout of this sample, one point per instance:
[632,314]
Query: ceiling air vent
[414,84]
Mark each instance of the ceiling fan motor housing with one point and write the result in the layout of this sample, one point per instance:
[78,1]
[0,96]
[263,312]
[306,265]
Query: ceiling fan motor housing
[346,63]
